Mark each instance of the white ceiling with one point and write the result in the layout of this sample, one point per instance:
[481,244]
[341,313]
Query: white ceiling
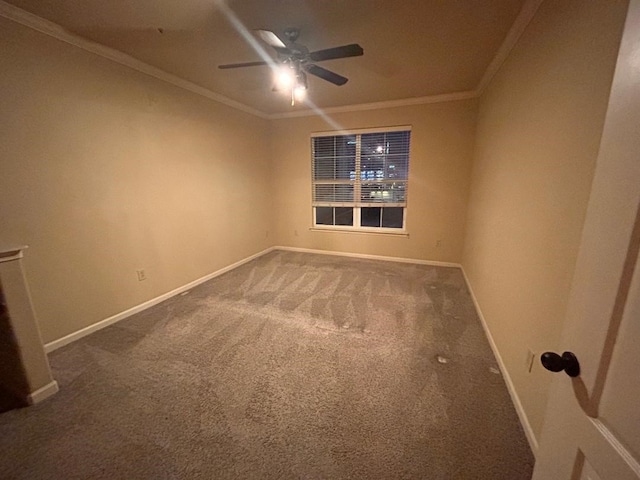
[412,48]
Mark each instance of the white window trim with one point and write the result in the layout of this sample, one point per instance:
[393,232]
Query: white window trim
[353,229]
[397,232]
[358,131]
[356,209]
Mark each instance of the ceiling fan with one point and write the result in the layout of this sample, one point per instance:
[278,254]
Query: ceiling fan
[295,61]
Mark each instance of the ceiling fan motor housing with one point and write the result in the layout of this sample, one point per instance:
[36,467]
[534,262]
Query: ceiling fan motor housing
[292,34]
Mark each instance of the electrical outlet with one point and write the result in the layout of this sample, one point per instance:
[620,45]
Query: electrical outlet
[530,359]
[142,275]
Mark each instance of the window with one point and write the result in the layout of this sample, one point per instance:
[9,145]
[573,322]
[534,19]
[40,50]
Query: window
[360,180]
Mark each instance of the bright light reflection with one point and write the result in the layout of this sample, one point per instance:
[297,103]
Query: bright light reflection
[300,92]
[240,28]
[284,78]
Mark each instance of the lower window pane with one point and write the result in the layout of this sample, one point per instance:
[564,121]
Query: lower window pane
[370,216]
[324,216]
[392,217]
[344,216]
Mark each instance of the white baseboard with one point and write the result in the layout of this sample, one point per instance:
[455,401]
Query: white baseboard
[370,257]
[43,393]
[52,388]
[61,342]
[522,416]
[524,420]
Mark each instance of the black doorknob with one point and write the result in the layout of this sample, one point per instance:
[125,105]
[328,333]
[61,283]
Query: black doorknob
[556,363]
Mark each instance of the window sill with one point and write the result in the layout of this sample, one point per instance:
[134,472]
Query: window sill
[395,232]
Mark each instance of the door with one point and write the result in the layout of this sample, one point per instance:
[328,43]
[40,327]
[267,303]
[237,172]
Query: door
[592,423]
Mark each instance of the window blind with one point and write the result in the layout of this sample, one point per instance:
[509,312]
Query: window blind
[367,169]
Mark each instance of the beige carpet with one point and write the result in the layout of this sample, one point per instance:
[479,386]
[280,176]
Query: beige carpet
[291,366]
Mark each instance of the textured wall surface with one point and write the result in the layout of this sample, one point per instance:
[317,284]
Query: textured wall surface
[106,171]
[442,139]
[539,128]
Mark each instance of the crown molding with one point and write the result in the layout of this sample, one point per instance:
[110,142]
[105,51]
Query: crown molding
[54,30]
[527,12]
[446,97]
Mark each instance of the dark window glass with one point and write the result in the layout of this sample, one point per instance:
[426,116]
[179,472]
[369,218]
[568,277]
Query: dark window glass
[397,167]
[382,192]
[344,216]
[324,146]
[323,168]
[333,193]
[370,216]
[398,142]
[324,193]
[344,193]
[339,146]
[346,146]
[392,217]
[345,168]
[324,216]
[385,155]
[334,157]
[373,144]
[379,172]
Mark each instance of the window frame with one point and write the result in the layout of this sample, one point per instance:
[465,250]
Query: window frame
[357,216]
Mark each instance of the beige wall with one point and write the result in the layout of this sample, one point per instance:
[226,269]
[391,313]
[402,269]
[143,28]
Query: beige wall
[539,127]
[106,170]
[441,151]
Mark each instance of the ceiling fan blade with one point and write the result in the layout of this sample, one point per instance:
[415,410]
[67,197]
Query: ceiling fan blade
[239,65]
[352,50]
[283,51]
[270,38]
[325,74]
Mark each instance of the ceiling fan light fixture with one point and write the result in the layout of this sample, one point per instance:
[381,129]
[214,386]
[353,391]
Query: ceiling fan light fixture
[300,92]
[301,81]
[285,77]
